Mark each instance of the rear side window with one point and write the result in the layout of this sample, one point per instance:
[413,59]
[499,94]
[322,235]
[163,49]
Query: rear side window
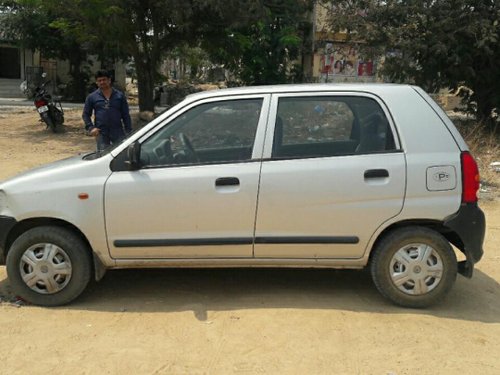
[329,126]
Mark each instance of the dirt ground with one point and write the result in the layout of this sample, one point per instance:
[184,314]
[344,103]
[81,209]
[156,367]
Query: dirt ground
[249,321]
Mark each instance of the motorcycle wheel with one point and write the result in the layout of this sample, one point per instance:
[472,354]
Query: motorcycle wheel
[58,117]
[55,120]
[50,124]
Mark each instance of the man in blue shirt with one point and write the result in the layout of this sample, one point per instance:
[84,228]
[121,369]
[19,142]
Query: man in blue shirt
[111,113]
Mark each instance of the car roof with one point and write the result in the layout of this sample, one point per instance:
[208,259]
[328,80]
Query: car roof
[377,88]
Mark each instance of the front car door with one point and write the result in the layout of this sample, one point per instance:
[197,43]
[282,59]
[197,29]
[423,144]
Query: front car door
[334,174]
[195,195]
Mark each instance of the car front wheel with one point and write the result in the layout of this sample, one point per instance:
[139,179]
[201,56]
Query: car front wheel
[48,266]
[414,267]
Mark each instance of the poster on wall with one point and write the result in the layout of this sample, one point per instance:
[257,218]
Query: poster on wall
[344,60]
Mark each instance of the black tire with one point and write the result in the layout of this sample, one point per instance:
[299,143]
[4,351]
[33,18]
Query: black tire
[53,125]
[50,123]
[68,267]
[58,117]
[54,120]
[425,273]
[58,128]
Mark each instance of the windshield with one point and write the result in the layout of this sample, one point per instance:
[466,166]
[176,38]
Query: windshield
[107,150]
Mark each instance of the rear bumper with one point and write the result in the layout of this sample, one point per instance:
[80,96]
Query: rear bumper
[6,224]
[469,225]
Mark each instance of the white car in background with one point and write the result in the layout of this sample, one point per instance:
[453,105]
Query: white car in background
[327,175]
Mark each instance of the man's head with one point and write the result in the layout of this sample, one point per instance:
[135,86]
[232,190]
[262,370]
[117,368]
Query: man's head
[103,79]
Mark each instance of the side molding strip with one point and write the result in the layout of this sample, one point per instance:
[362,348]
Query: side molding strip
[236,241]
[183,242]
[308,240]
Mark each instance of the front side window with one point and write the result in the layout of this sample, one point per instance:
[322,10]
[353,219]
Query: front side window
[329,126]
[212,132]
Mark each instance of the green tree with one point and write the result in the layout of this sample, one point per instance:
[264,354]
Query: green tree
[38,25]
[262,51]
[435,44]
[115,29]
[148,30]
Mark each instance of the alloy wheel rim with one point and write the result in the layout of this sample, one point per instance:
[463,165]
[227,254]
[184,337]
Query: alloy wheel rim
[45,268]
[416,269]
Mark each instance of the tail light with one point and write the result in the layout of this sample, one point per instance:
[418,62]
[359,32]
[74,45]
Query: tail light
[470,178]
[40,103]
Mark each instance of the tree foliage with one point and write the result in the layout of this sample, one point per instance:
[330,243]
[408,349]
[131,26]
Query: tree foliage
[112,30]
[255,38]
[262,51]
[150,29]
[52,29]
[435,44]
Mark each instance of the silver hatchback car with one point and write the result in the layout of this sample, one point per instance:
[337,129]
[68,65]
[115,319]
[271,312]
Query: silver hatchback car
[340,176]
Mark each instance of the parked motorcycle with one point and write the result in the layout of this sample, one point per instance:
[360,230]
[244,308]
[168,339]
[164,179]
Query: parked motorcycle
[49,108]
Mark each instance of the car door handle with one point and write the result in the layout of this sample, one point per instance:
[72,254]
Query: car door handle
[227,181]
[376,173]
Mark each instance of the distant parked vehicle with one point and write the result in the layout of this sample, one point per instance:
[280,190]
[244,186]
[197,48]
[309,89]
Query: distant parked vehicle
[49,107]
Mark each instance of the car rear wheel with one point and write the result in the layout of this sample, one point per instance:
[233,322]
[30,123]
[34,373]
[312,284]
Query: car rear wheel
[414,267]
[49,266]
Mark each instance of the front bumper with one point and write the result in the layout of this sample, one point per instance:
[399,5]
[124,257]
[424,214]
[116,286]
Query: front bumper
[6,224]
[469,225]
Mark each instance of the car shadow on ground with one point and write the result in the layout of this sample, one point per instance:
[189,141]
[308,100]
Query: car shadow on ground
[204,290]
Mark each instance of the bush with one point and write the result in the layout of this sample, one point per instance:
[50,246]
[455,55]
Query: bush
[485,146]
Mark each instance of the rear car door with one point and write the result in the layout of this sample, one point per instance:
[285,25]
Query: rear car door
[334,173]
[195,195]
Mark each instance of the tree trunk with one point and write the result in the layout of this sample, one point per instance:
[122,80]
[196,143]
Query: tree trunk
[145,82]
[79,80]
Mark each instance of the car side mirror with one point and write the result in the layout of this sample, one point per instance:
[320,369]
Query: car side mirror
[134,156]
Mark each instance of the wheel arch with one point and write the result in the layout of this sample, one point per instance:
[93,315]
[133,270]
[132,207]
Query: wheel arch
[27,224]
[436,225]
